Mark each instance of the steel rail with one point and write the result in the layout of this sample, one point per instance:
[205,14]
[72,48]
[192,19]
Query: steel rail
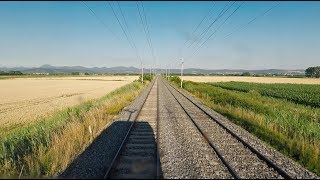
[224,161]
[158,156]
[106,176]
[253,150]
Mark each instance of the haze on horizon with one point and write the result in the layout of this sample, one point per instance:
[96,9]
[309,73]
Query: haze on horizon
[264,35]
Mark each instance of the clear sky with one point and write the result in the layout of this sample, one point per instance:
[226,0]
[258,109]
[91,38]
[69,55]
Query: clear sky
[67,33]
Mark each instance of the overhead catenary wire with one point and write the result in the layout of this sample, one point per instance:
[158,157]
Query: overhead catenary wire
[148,31]
[125,33]
[126,24]
[222,12]
[216,29]
[205,30]
[205,17]
[125,21]
[254,19]
[100,20]
[144,25]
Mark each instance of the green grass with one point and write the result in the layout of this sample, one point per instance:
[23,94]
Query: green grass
[291,128]
[306,94]
[28,145]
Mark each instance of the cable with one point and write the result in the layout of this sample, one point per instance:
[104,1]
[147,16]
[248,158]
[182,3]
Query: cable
[216,29]
[100,20]
[223,11]
[148,30]
[260,15]
[114,13]
[145,31]
[205,17]
[121,25]
[134,44]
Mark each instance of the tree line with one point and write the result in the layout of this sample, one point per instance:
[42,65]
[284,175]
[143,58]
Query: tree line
[2,73]
[313,71]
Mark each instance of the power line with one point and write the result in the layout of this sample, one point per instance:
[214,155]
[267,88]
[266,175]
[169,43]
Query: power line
[255,18]
[196,28]
[125,33]
[134,44]
[148,31]
[100,20]
[145,31]
[217,29]
[205,17]
[223,11]
[114,13]
[142,22]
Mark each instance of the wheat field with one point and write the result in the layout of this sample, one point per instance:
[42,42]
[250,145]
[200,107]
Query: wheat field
[25,100]
[252,79]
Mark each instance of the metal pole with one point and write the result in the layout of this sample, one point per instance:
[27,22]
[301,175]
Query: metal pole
[181,72]
[141,73]
[169,69]
[166,73]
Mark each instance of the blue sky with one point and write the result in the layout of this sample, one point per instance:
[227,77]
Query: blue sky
[66,33]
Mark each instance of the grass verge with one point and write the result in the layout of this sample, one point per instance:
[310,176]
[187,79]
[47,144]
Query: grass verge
[292,129]
[45,148]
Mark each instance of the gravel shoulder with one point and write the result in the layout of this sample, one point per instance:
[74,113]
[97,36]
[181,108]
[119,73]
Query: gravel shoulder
[183,151]
[294,169]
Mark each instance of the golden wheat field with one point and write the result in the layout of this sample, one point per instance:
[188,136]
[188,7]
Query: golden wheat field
[27,99]
[252,79]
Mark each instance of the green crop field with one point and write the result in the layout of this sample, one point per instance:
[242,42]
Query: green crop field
[292,127]
[306,94]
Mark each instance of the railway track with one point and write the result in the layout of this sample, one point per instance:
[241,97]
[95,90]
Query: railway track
[240,158]
[137,157]
[193,144]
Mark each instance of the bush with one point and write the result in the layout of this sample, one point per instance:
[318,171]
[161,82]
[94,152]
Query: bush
[175,79]
[75,73]
[246,74]
[146,77]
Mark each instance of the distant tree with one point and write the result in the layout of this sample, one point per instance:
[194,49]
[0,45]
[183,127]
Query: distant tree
[146,77]
[11,73]
[15,73]
[246,74]
[75,73]
[86,73]
[313,71]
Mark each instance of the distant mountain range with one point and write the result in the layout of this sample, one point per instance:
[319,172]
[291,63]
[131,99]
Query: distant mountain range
[48,69]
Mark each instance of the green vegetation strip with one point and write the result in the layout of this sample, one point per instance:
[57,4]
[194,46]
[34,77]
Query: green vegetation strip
[20,146]
[306,94]
[292,129]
